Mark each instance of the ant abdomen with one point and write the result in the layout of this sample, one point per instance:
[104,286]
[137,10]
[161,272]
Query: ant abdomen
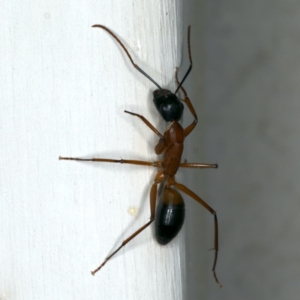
[169,216]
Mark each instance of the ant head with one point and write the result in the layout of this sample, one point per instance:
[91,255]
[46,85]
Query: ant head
[168,105]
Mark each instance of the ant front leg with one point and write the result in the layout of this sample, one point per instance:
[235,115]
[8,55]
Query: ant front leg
[146,122]
[189,104]
[160,147]
[153,192]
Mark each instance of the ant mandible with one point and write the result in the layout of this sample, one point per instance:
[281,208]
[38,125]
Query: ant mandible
[170,211]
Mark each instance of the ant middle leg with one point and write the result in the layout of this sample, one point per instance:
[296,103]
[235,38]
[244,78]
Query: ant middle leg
[156,164]
[125,161]
[198,165]
[158,179]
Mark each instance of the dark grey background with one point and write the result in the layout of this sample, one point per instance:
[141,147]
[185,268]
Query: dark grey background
[245,86]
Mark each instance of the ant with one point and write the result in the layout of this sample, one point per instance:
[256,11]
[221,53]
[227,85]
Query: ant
[170,211]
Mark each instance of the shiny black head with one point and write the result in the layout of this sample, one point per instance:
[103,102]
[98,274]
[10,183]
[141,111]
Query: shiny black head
[168,105]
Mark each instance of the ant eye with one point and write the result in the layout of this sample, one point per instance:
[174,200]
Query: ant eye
[164,108]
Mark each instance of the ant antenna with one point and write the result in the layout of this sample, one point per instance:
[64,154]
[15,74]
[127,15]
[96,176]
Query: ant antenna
[191,63]
[129,56]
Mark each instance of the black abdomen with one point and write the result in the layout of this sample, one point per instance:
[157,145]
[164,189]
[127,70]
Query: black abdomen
[169,216]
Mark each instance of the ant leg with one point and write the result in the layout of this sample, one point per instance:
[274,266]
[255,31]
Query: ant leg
[156,164]
[158,178]
[146,122]
[187,191]
[198,165]
[189,104]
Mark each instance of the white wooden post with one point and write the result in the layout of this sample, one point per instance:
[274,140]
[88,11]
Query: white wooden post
[64,87]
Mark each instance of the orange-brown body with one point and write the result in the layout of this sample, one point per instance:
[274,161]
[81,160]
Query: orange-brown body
[172,147]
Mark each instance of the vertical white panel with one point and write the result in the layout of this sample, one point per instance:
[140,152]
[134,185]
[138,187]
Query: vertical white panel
[64,87]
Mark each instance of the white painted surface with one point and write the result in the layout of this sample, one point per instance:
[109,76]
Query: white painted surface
[64,87]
